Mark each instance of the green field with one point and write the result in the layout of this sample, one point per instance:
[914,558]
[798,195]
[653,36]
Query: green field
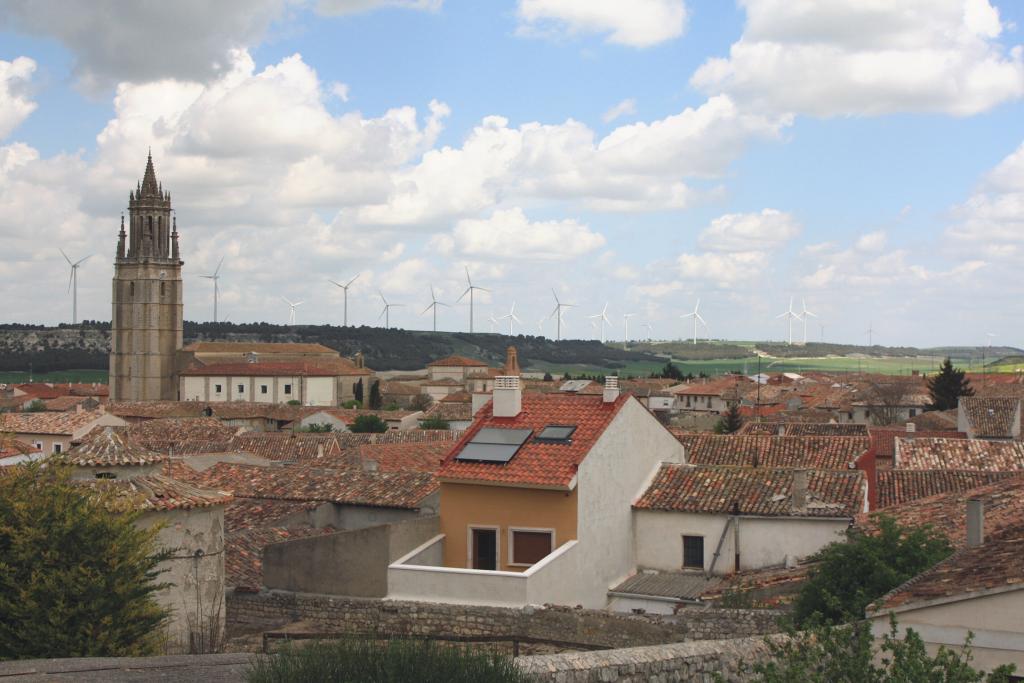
[83,376]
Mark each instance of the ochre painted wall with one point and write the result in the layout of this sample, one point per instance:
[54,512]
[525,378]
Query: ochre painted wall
[466,505]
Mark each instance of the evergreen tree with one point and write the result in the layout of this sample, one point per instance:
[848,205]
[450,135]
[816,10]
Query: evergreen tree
[375,400]
[77,577]
[358,391]
[368,424]
[948,386]
[730,422]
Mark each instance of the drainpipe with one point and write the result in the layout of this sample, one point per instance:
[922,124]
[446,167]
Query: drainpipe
[736,533]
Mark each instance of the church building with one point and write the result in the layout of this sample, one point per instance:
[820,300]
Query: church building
[146,327]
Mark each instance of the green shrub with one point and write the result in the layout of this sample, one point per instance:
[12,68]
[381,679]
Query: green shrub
[77,578]
[368,424]
[395,661]
[352,404]
[295,402]
[434,423]
[317,428]
[392,407]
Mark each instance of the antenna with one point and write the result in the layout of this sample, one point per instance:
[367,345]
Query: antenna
[469,290]
[292,305]
[600,319]
[386,313]
[804,313]
[790,315]
[434,303]
[511,317]
[73,283]
[557,315]
[345,287]
[696,318]
[216,290]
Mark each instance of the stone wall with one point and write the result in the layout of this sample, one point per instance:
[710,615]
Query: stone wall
[694,661]
[250,612]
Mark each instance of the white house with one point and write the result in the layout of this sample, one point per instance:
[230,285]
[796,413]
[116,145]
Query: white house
[321,383]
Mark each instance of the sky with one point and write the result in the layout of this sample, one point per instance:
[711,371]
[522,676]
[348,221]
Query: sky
[862,158]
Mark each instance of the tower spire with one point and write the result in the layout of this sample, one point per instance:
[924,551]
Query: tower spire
[149,185]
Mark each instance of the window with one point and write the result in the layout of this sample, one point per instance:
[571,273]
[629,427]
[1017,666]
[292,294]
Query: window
[162,288]
[484,548]
[56,448]
[693,552]
[263,388]
[131,289]
[287,388]
[529,546]
[556,434]
[241,388]
[106,475]
[913,412]
[494,444]
[217,389]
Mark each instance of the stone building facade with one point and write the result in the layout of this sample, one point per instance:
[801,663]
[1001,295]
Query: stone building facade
[146,324]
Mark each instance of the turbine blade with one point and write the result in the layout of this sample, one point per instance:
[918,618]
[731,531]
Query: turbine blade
[426,309]
[336,284]
[351,281]
[463,295]
[82,260]
[64,255]
[221,263]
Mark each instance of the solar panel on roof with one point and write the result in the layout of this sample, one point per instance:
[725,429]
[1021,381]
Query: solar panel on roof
[556,433]
[492,444]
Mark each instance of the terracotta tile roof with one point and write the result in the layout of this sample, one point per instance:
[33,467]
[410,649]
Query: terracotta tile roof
[713,387]
[899,487]
[243,552]
[998,563]
[287,446]
[166,433]
[110,447]
[243,410]
[991,417]
[62,403]
[64,423]
[406,457]
[804,428]
[325,368]
[486,373]
[250,513]
[959,454]
[947,512]
[442,382]
[344,486]
[536,463]
[458,397]
[758,490]
[883,439]
[86,389]
[156,409]
[816,452]
[443,410]
[399,389]
[43,391]
[349,415]
[155,492]
[10,447]
[269,348]
[456,362]
[349,440]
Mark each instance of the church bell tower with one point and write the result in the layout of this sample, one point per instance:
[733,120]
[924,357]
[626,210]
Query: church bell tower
[146,327]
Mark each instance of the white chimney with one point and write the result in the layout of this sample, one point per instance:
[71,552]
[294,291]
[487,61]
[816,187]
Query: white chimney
[975,523]
[611,388]
[911,428]
[799,490]
[508,397]
[781,430]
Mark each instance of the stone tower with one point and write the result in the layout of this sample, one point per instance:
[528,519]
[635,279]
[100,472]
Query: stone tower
[146,328]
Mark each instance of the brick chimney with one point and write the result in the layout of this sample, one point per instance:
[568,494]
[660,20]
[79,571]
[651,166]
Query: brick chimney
[975,522]
[799,497]
[611,388]
[511,363]
[507,397]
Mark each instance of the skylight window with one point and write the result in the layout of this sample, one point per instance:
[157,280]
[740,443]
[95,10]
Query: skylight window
[493,444]
[556,434]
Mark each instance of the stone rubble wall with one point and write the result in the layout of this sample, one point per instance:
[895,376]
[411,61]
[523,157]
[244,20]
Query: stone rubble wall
[252,612]
[694,661]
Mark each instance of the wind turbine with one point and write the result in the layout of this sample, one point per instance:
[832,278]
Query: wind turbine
[540,325]
[73,284]
[557,315]
[434,303]
[493,321]
[805,314]
[790,315]
[469,290]
[696,318]
[292,305]
[650,329]
[386,313]
[625,329]
[871,334]
[216,289]
[345,287]
[511,317]
[600,319]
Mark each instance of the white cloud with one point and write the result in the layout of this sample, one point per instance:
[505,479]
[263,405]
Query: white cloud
[767,230]
[509,234]
[340,7]
[15,105]
[722,270]
[637,23]
[626,107]
[340,90]
[868,57]
[991,221]
[872,241]
[115,41]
